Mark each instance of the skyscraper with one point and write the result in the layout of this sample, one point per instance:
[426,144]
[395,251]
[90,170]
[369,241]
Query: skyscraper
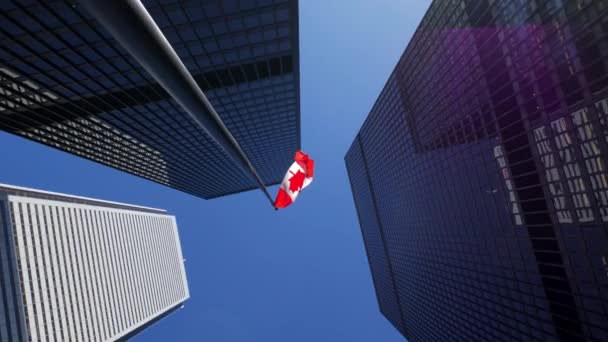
[66,82]
[81,269]
[480,175]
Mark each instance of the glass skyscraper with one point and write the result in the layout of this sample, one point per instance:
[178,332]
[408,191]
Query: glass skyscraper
[81,269]
[480,175]
[67,83]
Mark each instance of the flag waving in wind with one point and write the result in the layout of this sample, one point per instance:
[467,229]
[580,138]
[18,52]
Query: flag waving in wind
[298,177]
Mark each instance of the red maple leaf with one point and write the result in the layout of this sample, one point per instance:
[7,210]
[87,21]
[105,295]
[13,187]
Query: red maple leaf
[296,181]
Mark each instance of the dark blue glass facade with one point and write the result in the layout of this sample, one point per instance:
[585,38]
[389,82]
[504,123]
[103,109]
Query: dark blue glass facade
[65,82]
[379,262]
[479,176]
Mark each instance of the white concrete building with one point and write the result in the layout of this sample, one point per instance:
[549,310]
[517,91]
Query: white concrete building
[81,269]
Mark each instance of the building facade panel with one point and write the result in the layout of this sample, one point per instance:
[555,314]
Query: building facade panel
[12,327]
[65,82]
[487,153]
[89,271]
[382,274]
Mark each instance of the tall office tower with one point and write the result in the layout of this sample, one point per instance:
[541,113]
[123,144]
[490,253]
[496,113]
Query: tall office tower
[67,83]
[81,269]
[480,175]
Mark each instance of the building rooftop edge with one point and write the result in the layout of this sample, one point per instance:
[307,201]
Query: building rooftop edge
[82,198]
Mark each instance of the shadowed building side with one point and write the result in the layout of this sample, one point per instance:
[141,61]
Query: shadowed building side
[486,157]
[65,82]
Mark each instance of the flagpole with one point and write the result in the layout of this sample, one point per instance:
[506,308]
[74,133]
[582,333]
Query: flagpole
[130,24]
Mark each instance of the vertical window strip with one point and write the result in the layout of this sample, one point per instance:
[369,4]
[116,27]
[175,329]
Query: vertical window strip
[171,225]
[137,272]
[592,158]
[602,111]
[6,314]
[48,272]
[97,322]
[164,273]
[139,276]
[78,281]
[91,273]
[176,261]
[55,242]
[506,176]
[55,280]
[144,276]
[182,267]
[25,255]
[572,170]
[127,247]
[152,234]
[122,270]
[116,271]
[147,278]
[16,230]
[40,304]
[111,275]
[161,274]
[552,174]
[66,289]
[9,317]
[101,262]
[68,257]
[94,269]
[85,276]
[130,250]
[173,260]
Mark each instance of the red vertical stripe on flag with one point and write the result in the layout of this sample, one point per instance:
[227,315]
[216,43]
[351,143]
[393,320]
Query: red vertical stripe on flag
[283,199]
[310,168]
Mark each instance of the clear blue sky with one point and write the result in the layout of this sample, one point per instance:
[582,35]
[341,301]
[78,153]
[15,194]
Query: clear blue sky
[299,274]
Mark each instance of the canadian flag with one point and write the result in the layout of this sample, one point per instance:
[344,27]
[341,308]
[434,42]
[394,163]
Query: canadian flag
[298,177]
